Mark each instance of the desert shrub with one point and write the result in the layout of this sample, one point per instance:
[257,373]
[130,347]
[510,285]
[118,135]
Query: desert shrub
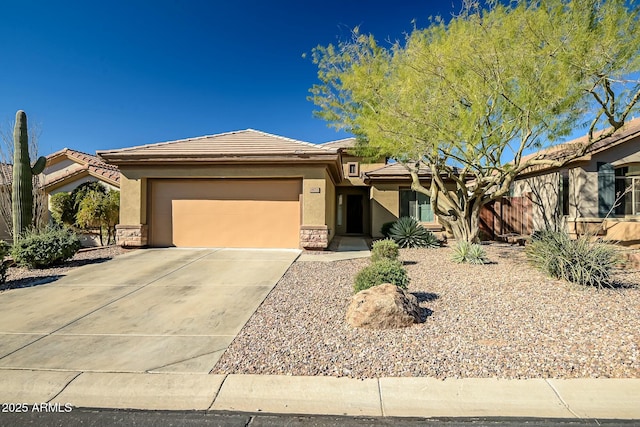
[4,265]
[431,241]
[580,261]
[386,228]
[408,233]
[44,248]
[384,249]
[379,272]
[471,253]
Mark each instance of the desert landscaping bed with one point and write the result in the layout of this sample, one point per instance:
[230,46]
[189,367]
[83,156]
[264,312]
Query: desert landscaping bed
[501,320]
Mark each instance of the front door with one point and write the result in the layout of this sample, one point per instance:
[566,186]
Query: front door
[354,213]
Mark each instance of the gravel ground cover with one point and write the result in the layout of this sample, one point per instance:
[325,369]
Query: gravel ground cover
[19,277]
[503,320]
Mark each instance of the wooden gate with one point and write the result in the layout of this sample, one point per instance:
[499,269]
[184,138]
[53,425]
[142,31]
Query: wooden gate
[506,216]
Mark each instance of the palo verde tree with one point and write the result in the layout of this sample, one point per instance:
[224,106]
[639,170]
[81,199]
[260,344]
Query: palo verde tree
[472,96]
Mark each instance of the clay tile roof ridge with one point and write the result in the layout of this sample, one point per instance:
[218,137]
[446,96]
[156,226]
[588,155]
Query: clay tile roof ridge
[90,159]
[337,141]
[297,141]
[217,135]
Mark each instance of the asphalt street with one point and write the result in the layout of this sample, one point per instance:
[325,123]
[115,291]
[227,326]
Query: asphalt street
[111,417]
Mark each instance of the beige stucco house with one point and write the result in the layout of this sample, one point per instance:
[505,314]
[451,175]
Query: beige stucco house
[253,189]
[581,194]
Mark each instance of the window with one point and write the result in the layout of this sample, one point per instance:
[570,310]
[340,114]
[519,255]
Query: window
[416,205]
[627,203]
[352,169]
[564,193]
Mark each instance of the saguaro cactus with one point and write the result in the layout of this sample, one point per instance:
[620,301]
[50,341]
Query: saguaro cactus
[22,186]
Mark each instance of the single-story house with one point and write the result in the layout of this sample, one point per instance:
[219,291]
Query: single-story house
[254,189]
[604,183]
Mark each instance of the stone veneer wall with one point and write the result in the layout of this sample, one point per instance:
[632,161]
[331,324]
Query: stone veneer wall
[131,236]
[314,236]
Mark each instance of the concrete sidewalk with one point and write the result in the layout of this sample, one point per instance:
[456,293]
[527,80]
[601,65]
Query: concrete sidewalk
[394,397]
[349,247]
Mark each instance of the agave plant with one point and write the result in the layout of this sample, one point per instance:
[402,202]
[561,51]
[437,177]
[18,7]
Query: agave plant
[472,253]
[408,233]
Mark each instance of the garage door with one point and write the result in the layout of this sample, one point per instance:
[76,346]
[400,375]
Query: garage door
[224,213]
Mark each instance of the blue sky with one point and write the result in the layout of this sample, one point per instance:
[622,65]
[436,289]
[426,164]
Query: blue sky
[100,75]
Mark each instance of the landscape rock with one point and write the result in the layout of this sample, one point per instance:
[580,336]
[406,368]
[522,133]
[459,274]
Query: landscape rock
[384,306]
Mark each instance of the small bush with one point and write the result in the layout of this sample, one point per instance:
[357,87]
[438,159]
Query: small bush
[4,266]
[379,272]
[408,233]
[384,249]
[431,241]
[471,253]
[41,249]
[579,261]
[386,228]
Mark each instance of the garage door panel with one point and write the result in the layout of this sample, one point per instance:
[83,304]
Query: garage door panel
[235,223]
[225,213]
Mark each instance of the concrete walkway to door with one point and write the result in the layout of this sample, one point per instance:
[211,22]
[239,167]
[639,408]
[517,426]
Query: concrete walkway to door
[154,310]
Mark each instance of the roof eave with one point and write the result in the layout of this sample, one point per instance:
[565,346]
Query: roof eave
[545,169]
[330,159]
[80,173]
[117,158]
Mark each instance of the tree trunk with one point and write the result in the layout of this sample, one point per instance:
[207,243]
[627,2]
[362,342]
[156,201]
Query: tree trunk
[465,224]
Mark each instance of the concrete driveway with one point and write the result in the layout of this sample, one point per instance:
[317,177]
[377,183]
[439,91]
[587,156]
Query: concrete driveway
[154,310]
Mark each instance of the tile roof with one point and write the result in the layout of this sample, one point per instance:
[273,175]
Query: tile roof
[630,130]
[340,143]
[395,171]
[238,144]
[6,173]
[87,163]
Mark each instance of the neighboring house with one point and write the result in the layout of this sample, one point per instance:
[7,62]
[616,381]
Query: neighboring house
[64,171]
[578,196]
[6,177]
[67,169]
[253,189]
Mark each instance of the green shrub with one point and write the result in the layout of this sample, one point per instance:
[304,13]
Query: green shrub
[408,233]
[431,241]
[386,228]
[61,206]
[4,265]
[384,249]
[44,248]
[379,272]
[472,253]
[579,261]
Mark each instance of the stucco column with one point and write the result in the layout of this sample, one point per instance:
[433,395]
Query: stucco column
[132,230]
[314,233]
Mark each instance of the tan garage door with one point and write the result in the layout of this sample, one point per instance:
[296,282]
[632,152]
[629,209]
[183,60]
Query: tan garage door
[233,213]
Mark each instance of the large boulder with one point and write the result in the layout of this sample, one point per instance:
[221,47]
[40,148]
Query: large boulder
[384,306]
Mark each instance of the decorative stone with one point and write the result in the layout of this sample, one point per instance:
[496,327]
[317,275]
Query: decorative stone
[131,236]
[314,237]
[384,306]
